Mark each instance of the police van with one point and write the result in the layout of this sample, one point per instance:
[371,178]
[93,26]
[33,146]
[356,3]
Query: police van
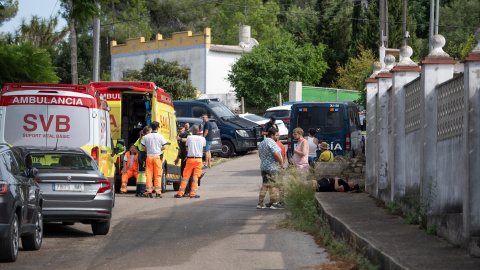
[58,115]
[135,105]
[337,123]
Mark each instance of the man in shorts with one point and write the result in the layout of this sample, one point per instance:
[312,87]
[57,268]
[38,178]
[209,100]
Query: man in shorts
[270,163]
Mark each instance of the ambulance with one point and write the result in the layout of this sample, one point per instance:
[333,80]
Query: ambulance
[135,105]
[58,115]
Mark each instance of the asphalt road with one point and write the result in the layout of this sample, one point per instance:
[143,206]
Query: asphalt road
[221,230]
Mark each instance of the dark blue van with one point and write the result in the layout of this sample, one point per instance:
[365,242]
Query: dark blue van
[337,123]
[238,135]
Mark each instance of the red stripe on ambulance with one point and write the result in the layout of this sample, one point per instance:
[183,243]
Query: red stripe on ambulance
[47,100]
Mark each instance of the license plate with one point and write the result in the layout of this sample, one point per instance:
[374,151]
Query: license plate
[68,187]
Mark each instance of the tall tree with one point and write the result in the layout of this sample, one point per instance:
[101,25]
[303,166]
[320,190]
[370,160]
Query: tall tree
[169,75]
[169,16]
[301,22]
[25,63]
[262,17]
[81,11]
[128,18]
[8,10]
[267,70]
[41,32]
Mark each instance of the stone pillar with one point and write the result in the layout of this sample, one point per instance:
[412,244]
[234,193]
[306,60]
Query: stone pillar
[404,72]
[471,193]
[384,83]
[295,91]
[370,140]
[437,67]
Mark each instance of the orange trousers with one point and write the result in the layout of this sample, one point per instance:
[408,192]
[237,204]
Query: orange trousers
[193,165]
[125,176]
[154,169]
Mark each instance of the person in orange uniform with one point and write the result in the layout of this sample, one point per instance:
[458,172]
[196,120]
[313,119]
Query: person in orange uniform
[130,167]
[154,144]
[195,148]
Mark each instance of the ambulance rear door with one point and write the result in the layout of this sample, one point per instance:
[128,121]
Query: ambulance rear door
[56,119]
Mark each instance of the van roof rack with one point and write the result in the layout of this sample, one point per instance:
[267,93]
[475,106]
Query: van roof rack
[207,100]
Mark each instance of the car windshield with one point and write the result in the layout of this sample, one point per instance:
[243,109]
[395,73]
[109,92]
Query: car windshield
[61,161]
[283,113]
[255,117]
[324,119]
[221,110]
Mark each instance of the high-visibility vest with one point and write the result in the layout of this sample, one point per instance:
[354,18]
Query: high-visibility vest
[132,161]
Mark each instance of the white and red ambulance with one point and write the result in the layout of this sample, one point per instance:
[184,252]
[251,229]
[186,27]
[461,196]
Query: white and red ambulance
[57,115]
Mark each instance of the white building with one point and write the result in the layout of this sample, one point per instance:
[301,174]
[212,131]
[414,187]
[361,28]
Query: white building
[209,64]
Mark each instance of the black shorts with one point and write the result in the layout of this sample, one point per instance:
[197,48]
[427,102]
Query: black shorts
[268,176]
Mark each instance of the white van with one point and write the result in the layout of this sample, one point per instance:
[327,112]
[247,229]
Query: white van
[57,115]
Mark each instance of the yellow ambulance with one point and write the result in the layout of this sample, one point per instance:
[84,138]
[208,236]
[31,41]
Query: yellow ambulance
[58,115]
[135,105]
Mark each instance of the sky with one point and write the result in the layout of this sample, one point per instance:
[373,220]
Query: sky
[27,8]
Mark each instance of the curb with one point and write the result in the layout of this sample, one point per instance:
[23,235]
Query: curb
[343,232]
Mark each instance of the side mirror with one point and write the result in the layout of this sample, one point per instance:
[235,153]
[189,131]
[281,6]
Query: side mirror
[32,172]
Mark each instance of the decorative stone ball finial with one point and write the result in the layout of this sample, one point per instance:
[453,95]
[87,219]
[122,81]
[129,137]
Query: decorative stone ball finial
[405,54]
[389,61]
[477,38]
[437,42]
[376,66]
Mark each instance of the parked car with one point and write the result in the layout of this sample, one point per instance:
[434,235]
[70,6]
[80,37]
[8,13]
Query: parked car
[281,112]
[217,140]
[20,206]
[238,135]
[74,189]
[282,129]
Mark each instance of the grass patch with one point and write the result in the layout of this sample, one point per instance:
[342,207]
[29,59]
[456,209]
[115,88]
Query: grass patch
[302,215]
[394,208]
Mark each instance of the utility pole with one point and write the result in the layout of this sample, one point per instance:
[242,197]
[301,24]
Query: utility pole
[437,15]
[381,6]
[96,46]
[404,24]
[432,11]
[386,23]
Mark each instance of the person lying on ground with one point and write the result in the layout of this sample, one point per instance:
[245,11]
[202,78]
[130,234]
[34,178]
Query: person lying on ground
[333,184]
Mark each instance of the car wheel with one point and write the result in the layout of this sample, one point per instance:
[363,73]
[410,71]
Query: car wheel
[100,227]
[9,245]
[227,149]
[164,180]
[34,241]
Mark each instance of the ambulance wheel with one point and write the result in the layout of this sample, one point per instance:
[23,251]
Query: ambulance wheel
[164,180]
[227,149]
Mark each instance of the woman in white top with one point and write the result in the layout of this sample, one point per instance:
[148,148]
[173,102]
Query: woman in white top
[312,146]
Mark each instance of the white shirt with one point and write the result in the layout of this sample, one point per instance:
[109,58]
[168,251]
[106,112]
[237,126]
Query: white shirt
[153,142]
[195,144]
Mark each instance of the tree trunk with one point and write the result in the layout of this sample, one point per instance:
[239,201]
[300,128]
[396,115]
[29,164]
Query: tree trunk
[73,48]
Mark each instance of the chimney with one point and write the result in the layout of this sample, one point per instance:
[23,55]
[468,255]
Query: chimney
[244,36]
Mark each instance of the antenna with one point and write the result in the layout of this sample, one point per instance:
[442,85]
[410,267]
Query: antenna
[56,145]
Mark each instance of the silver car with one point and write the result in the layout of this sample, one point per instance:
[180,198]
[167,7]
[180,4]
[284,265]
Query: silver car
[74,189]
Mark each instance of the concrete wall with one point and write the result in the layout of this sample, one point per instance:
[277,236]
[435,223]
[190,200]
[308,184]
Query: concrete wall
[433,123]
